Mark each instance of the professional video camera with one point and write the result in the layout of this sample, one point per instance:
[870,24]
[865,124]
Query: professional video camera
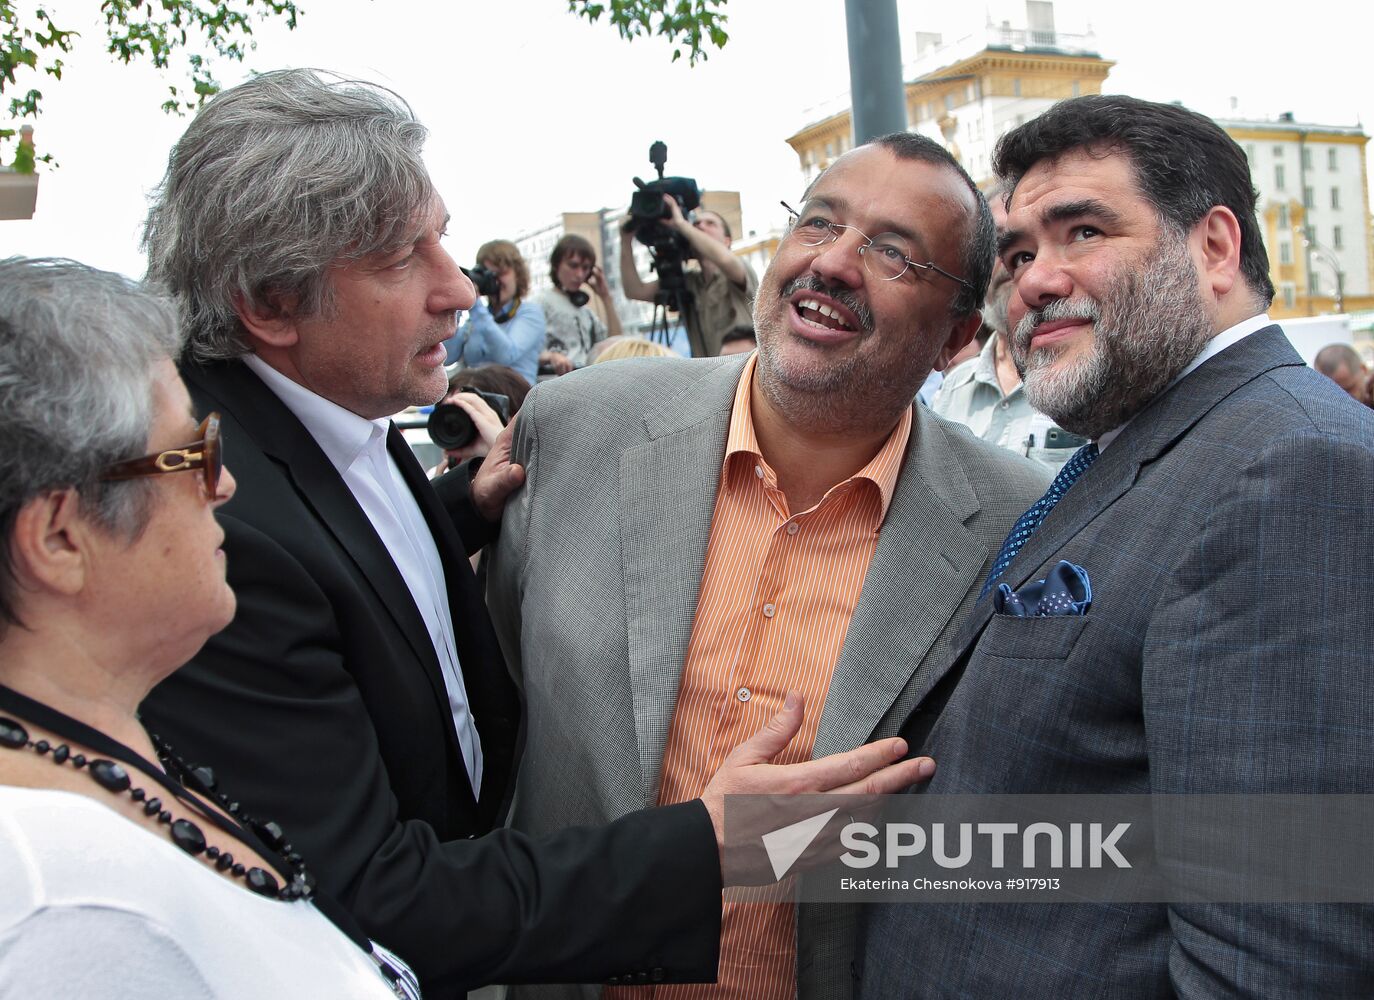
[486,282]
[667,247]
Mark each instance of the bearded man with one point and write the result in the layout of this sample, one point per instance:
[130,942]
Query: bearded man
[1210,543]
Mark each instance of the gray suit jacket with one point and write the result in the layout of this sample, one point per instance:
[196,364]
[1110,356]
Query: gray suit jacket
[1226,533]
[594,588]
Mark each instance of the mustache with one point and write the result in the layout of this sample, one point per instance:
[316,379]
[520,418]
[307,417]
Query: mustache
[845,297]
[1058,309]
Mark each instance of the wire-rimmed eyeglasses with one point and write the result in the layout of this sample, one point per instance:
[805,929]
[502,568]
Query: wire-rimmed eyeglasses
[886,256]
[203,454]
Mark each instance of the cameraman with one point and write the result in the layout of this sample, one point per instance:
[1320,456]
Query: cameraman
[572,328]
[722,290]
[503,330]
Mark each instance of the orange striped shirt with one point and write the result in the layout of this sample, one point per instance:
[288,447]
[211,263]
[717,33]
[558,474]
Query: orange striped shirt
[777,594]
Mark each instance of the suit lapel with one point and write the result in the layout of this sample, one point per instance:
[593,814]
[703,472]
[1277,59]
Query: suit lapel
[282,437]
[1148,435]
[668,495]
[901,613]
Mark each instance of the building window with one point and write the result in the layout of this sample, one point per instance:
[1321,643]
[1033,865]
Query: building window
[1016,86]
[1278,152]
[1314,283]
[1309,233]
[1306,158]
[1278,176]
[1250,153]
[1075,89]
[1283,216]
[1330,159]
[1335,197]
[1309,200]
[1290,294]
[1285,252]
[949,102]
[1337,242]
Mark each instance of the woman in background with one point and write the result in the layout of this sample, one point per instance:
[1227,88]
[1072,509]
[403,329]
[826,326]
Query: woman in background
[631,347]
[504,329]
[572,328]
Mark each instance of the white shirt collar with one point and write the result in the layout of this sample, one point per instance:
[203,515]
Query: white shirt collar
[341,434]
[1226,338]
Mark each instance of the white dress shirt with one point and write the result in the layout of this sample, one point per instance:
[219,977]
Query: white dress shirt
[356,447]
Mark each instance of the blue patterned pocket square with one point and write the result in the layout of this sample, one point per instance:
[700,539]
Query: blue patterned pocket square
[1066,591]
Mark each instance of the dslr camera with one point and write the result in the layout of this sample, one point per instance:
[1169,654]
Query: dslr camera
[451,428]
[487,283]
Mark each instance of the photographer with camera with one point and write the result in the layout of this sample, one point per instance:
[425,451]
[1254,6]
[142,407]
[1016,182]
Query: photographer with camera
[721,291]
[572,328]
[480,401]
[503,330]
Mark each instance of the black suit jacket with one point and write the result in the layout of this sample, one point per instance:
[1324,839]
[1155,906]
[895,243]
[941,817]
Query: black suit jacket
[322,706]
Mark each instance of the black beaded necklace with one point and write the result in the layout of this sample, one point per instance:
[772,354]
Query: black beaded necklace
[184,833]
[264,837]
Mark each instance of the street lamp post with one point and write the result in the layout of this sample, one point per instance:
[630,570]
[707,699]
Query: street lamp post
[878,104]
[1330,259]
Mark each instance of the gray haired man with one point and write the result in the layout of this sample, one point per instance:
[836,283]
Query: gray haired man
[359,694]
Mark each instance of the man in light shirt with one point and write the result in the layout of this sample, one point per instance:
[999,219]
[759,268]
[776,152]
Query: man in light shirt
[1208,627]
[985,394]
[697,537]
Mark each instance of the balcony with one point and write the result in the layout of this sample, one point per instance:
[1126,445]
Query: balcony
[1002,38]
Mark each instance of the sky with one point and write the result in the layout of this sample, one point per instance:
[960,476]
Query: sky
[533,112]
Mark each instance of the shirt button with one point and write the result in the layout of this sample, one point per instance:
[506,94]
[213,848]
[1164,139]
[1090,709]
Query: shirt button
[758,471]
[793,527]
[769,610]
[743,694]
[1005,404]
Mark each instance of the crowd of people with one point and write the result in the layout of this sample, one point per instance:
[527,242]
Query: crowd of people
[264,732]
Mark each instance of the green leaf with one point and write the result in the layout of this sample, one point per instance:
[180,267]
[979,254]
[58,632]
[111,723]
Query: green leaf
[159,31]
[686,25]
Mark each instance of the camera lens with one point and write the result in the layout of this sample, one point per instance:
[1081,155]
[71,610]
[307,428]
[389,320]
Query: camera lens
[450,427]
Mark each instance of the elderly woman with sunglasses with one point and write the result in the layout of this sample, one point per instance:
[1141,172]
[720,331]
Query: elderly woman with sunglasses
[126,873]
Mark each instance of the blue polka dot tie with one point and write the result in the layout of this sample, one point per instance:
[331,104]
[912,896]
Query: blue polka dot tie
[1027,523]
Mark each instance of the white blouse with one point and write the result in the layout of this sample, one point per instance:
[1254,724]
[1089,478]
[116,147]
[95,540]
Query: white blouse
[94,906]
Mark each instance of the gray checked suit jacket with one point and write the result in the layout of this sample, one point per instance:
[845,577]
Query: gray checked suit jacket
[1226,533]
[595,584]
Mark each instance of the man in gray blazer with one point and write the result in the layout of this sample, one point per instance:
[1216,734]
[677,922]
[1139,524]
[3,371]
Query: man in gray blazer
[600,568]
[1223,521]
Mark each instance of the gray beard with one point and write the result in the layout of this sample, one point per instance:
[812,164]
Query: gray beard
[1147,328]
[845,397]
